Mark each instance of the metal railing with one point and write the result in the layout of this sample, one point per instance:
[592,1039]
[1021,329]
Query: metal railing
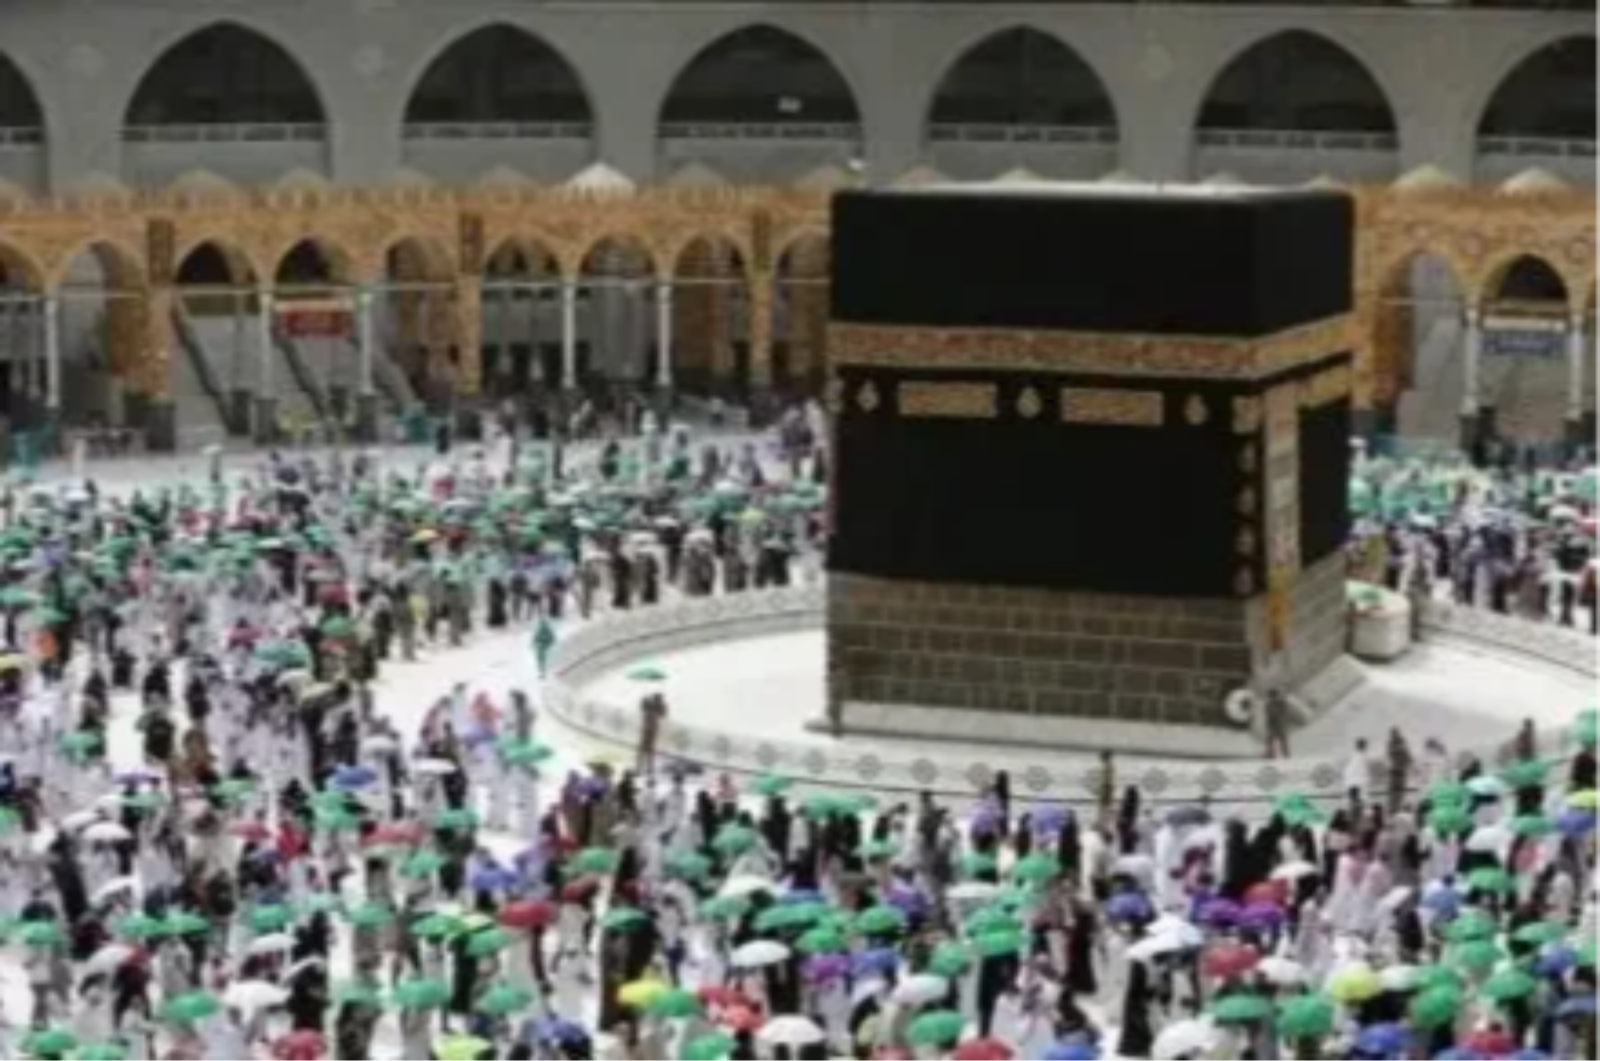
[832,132]
[1297,140]
[230,133]
[992,133]
[450,131]
[21,136]
[1544,146]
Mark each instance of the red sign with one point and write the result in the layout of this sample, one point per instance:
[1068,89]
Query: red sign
[323,320]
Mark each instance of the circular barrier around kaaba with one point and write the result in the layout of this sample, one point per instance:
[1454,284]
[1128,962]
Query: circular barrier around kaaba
[619,639]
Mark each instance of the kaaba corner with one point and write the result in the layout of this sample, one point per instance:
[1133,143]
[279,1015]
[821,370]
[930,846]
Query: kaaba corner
[1092,458]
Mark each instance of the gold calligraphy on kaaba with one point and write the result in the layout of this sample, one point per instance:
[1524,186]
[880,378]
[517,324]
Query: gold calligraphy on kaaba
[1246,415]
[1029,404]
[960,401]
[1196,411]
[1019,350]
[867,397]
[1084,405]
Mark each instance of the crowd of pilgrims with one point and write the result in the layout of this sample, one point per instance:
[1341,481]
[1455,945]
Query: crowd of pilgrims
[275,866]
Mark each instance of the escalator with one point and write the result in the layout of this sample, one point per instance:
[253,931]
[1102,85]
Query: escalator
[305,380]
[202,402]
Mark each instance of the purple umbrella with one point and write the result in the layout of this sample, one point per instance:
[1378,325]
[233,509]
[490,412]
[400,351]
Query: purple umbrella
[1051,818]
[878,960]
[908,900]
[1261,916]
[1220,913]
[1129,906]
[821,968]
[1575,822]
[986,818]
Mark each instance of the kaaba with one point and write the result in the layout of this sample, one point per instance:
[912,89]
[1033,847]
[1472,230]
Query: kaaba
[1092,454]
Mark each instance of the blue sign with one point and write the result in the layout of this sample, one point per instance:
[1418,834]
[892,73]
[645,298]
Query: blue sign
[1524,342]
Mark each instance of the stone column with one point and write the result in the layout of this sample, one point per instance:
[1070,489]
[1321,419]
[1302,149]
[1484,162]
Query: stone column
[52,358]
[1471,356]
[366,428]
[238,377]
[502,343]
[569,335]
[761,394]
[266,412]
[154,376]
[1576,352]
[664,338]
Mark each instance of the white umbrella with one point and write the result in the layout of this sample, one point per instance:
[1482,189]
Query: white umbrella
[120,886]
[1399,977]
[1294,871]
[1282,972]
[380,744]
[758,954]
[1184,1038]
[1156,946]
[107,959]
[82,819]
[744,886]
[792,1032]
[434,767]
[973,891]
[1174,927]
[255,995]
[1133,866]
[920,990]
[273,944]
[1486,785]
[106,833]
[1489,838]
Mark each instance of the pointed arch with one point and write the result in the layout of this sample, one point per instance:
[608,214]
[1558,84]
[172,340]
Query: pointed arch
[312,262]
[617,257]
[1528,279]
[19,270]
[226,74]
[20,109]
[760,74]
[523,258]
[499,73]
[1549,94]
[214,263]
[1299,81]
[1022,76]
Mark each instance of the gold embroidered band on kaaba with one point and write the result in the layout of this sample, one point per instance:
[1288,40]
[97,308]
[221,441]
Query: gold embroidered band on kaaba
[1016,350]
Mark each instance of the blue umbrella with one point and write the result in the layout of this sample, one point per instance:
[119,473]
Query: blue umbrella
[1383,1040]
[1459,1053]
[1529,1054]
[1072,1052]
[878,960]
[1575,822]
[556,1030]
[801,897]
[1051,818]
[1444,902]
[494,878]
[1576,1006]
[1129,906]
[358,776]
[1555,961]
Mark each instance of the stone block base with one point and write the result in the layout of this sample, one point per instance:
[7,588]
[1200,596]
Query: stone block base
[265,422]
[1035,665]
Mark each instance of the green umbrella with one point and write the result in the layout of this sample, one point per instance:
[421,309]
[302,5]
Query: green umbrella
[725,908]
[101,1052]
[881,921]
[49,1042]
[1241,1008]
[1540,933]
[338,627]
[623,919]
[1435,1008]
[461,1048]
[16,596]
[1297,809]
[976,865]
[647,674]
[1432,977]
[736,840]
[772,785]
[594,861]
[421,994]
[81,745]
[716,1047]
[1529,773]
[503,999]
[190,1007]
[234,789]
[1586,953]
[1479,954]
[689,866]
[140,926]
[370,915]
[456,819]
[422,864]
[1454,793]
[790,916]
[1534,825]
[991,919]
[673,1004]
[1000,944]
[1036,869]
[42,934]
[1471,925]
[879,850]
[822,940]
[270,918]
[1586,730]
[184,923]
[1306,1017]
[488,941]
[950,960]
[525,753]
[936,1028]
[437,926]
[1492,879]
[1509,985]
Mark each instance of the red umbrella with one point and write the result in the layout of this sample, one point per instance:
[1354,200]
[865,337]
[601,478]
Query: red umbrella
[253,831]
[984,1050]
[528,914]
[1273,893]
[397,834]
[1228,960]
[722,995]
[580,890]
[741,1019]
[1492,1043]
[303,1045]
